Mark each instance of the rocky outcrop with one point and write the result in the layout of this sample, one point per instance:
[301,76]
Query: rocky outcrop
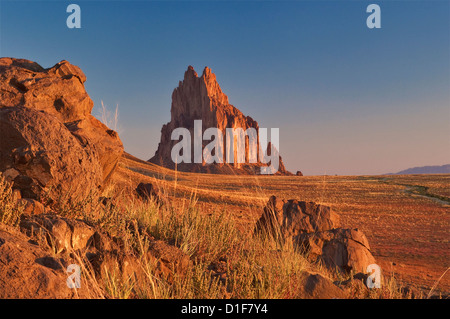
[315,230]
[34,260]
[58,90]
[60,234]
[288,219]
[341,248]
[40,155]
[201,98]
[29,272]
[50,141]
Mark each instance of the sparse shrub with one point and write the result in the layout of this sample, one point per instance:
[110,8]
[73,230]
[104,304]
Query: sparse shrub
[257,266]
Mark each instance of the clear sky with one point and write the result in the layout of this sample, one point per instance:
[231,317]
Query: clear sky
[348,99]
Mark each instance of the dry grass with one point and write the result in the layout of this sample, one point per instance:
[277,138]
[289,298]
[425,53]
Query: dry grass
[407,231]
[213,221]
[109,119]
[257,267]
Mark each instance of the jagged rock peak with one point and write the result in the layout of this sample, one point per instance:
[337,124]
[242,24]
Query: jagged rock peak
[201,98]
[205,85]
[190,73]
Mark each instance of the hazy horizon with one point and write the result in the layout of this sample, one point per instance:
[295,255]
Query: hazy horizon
[348,100]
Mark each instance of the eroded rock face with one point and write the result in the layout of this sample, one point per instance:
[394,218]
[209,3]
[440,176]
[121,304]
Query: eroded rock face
[316,230]
[61,234]
[27,271]
[91,133]
[50,140]
[341,248]
[201,98]
[58,90]
[290,218]
[40,155]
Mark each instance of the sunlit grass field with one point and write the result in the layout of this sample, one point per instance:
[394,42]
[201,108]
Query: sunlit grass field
[405,217]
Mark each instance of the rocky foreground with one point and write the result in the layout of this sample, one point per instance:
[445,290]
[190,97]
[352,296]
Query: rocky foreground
[50,143]
[35,254]
[56,159]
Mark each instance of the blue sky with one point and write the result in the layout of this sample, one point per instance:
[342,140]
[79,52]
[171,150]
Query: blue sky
[347,99]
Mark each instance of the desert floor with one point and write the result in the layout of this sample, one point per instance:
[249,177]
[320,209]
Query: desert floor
[405,217]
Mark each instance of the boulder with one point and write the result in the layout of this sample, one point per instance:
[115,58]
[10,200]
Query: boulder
[287,219]
[344,249]
[109,260]
[355,286]
[81,234]
[34,153]
[316,286]
[50,141]
[58,90]
[103,242]
[171,261]
[28,272]
[31,206]
[314,229]
[147,191]
[219,270]
[113,265]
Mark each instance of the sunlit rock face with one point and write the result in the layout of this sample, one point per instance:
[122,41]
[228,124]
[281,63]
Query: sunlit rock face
[200,98]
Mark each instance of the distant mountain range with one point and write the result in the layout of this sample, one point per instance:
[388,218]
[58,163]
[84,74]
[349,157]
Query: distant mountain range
[443,169]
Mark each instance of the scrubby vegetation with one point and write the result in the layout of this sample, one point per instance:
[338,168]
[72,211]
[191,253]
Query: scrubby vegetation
[251,265]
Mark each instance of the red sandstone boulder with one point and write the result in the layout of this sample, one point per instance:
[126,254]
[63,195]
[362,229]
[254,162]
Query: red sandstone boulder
[29,272]
[314,229]
[287,219]
[343,249]
[171,261]
[40,155]
[50,141]
[58,90]
[60,234]
[316,286]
